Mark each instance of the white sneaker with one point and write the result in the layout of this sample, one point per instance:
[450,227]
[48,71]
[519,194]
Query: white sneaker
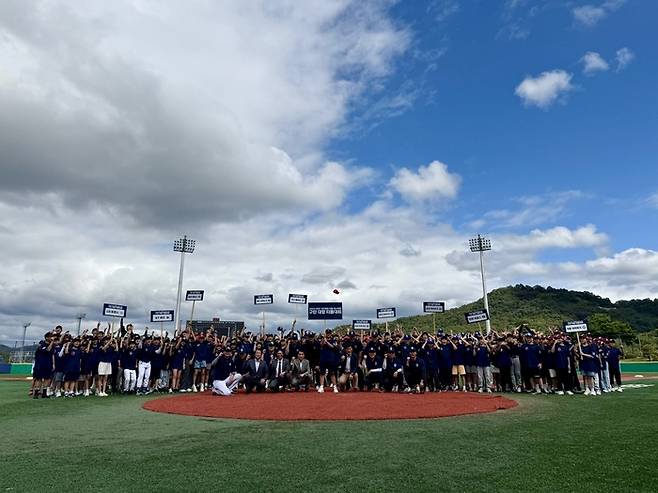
[194,389]
[569,392]
[171,391]
[321,389]
[480,391]
[586,392]
[86,394]
[335,389]
[559,392]
[58,394]
[598,392]
[620,389]
[488,391]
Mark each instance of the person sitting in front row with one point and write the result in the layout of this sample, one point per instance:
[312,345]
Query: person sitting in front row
[256,376]
[223,374]
[279,372]
[302,374]
[348,370]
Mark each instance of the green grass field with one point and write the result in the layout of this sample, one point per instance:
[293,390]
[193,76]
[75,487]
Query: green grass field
[547,443]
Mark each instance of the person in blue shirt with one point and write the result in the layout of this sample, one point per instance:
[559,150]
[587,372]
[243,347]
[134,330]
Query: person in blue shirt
[393,372]
[329,348]
[372,370]
[44,365]
[106,356]
[560,351]
[414,372]
[481,352]
[458,363]
[532,356]
[225,378]
[445,363]
[588,368]
[177,355]
[72,358]
[128,360]
[614,355]
[503,358]
[430,355]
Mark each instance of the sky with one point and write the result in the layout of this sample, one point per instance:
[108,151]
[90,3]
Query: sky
[309,146]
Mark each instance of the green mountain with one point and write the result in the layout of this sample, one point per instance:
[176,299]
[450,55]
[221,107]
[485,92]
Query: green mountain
[541,308]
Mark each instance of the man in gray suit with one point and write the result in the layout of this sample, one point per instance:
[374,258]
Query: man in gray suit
[256,375]
[302,374]
[279,372]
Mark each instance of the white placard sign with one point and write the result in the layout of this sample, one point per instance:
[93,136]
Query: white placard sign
[194,295]
[434,306]
[361,324]
[299,299]
[476,316]
[162,315]
[114,310]
[575,326]
[386,312]
[263,299]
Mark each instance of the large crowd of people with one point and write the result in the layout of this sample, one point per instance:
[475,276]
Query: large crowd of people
[101,362]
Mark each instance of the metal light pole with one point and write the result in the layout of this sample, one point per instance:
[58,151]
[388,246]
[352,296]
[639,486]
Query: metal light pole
[182,245]
[25,326]
[80,316]
[482,244]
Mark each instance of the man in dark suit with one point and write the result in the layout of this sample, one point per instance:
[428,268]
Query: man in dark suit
[279,372]
[256,376]
[302,373]
[348,369]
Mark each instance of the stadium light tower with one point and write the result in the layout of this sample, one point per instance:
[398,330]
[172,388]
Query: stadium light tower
[481,245]
[25,326]
[80,316]
[182,245]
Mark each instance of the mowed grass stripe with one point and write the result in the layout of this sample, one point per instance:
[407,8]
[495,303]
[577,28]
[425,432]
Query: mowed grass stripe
[548,443]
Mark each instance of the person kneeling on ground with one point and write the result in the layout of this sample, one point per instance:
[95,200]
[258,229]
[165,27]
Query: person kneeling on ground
[279,372]
[348,370]
[256,376]
[414,372]
[302,373]
[224,377]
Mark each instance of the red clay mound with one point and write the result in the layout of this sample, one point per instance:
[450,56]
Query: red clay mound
[330,406]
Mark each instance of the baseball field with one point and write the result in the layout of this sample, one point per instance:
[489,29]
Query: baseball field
[546,443]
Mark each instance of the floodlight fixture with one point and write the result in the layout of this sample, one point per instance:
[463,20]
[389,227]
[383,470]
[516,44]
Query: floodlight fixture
[481,245]
[183,245]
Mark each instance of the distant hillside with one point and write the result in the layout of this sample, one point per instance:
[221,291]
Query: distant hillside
[541,308]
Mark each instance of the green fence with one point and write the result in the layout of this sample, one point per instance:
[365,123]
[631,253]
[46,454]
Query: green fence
[639,367]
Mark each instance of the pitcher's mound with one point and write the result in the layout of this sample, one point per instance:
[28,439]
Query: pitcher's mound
[330,406]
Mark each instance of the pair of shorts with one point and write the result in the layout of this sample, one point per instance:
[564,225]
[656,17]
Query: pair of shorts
[104,368]
[471,369]
[458,370]
[200,364]
[58,377]
[71,376]
[328,367]
[589,373]
[42,373]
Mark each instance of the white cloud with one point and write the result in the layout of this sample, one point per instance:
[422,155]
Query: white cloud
[652,200]
[624,56]
[535,210]
[589,15]
[432,183]
[542,91]
[593,62]
[171,113]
